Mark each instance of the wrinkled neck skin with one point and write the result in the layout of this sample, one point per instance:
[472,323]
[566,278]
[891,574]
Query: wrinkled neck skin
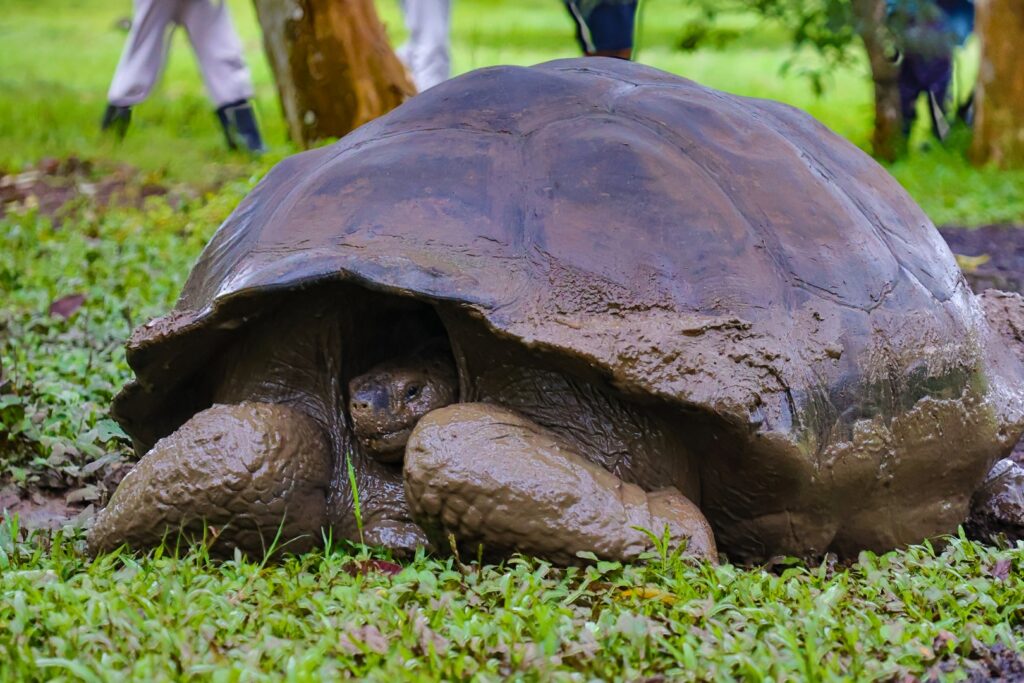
[386,402]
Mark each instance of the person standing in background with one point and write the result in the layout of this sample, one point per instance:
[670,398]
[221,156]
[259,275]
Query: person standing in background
[218,50]
[604,28]
[427,53]
[927,33]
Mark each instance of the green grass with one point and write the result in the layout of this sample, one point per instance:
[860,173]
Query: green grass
[954,193]
[60,375]
[166,617]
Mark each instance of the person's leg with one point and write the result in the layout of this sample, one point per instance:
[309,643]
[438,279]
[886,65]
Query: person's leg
[938,77]
[965,112]
[219,52]
[607,31]
[427,52]
[141,62]
[583,36]
[611,29]
[909,92]
[404,51]
[218,49]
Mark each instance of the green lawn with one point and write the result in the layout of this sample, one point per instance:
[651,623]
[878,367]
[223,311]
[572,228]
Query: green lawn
[167,617]
[320,617]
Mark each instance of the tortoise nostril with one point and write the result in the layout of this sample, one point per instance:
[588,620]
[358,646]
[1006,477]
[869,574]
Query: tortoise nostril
[369,398]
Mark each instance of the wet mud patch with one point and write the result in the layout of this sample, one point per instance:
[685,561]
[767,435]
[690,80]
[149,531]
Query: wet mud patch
[59,501]
[55,187]
[992,256]
[42,508]
[983,663]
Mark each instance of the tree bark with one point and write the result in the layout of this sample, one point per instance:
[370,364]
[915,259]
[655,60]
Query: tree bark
[887,139]
[999,99]
[333,65]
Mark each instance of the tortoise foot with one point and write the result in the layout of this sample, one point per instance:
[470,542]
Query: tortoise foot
[997,508]
[490,477]
[401,538]
[239,474]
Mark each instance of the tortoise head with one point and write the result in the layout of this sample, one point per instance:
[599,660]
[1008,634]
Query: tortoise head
[386,402]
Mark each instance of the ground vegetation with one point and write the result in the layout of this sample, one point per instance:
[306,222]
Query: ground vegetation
[98,236]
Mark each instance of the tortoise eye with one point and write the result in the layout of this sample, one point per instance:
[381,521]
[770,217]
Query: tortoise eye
[412,391]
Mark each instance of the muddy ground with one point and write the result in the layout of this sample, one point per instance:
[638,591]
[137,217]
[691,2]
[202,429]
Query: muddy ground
[58,187]
[992,257]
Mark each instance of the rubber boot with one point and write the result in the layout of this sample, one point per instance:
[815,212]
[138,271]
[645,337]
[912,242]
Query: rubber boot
[116,120]
[965,112]
[238,119]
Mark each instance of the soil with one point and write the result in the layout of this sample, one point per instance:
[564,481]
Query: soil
[54,187]
[41,508]
[995,255]
[983,663]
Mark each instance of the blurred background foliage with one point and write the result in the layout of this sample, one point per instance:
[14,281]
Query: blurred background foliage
[51,105]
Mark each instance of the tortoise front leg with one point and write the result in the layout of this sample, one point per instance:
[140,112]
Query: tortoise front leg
[245,470]
[997,508]
[489,476]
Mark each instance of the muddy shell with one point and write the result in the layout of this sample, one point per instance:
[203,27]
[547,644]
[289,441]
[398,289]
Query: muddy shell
[727,264]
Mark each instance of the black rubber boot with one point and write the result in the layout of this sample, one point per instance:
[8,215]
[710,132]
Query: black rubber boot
[116,120]
[965,112]
[238,119]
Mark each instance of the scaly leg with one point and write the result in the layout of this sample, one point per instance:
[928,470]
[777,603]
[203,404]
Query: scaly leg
[489,476]
[240,472]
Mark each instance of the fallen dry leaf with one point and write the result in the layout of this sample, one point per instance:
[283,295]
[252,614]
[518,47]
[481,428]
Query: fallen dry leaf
[66,306]
[1000,571]
[649,593]
[373,567]
[86,493]
[969,264]
[366,637]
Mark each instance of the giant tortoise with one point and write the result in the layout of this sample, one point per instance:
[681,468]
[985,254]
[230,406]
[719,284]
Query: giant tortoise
[617,299]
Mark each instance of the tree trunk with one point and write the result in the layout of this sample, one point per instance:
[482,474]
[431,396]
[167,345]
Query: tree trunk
[999,99]
[333,65]
[887,139]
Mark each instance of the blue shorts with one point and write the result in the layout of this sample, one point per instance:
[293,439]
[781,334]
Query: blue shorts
[609,26]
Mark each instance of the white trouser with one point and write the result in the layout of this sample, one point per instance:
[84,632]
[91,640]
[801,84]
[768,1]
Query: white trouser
[213,37]
[426,53]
